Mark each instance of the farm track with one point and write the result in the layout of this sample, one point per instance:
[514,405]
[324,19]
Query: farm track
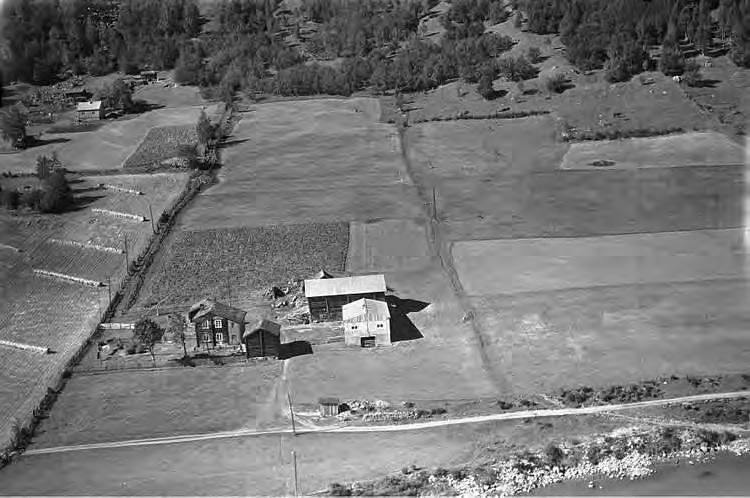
[349,429]
[440,248]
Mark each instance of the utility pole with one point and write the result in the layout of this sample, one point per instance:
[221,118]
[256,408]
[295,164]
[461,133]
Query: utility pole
[294,460]
[291,412]
[434,204]
[151,217]
[127,263]
[229,292]
[109,291]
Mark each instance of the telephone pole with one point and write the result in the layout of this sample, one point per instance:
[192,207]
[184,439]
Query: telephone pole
[434,204]
[291,412]
[151,217]
[109,291]
[294,460]
[127,263]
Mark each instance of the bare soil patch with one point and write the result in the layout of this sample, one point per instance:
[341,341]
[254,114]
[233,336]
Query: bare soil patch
[162,143]
[689,149]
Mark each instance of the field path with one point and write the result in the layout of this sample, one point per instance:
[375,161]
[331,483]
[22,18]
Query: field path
[557,412]
[441,248]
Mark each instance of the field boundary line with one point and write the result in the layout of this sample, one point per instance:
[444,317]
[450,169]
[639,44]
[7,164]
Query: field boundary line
[477,419]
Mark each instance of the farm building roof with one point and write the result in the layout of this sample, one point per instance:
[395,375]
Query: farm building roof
[322,274]
[206,306]
[365,310]
[261,324]
[89,106]
[328,401]
[345,285]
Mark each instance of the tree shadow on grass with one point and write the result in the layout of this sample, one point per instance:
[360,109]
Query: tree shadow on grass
[39,142]
[402,328]
[707,83]
[232,143]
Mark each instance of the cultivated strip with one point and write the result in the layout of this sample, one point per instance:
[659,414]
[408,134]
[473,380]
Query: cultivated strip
[25,347]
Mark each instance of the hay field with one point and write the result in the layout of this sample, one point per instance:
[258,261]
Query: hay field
[194,264]
[104,149]
[387,245]
[307,161]
[56,314]
[612,335]
[490,148]
[586,203]
[168,96]
[531,265]
[689,149]
[139,404]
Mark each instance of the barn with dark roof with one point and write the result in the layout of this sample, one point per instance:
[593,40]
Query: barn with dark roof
[262,338]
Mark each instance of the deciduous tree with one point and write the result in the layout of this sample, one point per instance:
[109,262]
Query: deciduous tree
[147,333]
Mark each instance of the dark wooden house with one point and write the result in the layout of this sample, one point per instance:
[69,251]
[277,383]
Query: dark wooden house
[327,296]
[216,324]
[148,76]
[77,94]
[262,338]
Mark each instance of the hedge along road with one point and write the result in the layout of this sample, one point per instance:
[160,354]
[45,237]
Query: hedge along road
[559,412]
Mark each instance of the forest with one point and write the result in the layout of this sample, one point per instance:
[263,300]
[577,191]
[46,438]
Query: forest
[250,46]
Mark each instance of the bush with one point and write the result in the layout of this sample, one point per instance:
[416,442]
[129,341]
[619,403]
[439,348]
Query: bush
[32,199]
[554,454]
[517,69]
[556,83]
[336,489]
[692,74]
[534,54]
[9,199]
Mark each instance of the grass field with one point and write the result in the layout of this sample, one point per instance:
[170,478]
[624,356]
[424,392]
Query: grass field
[104,149]
[689,149]
[263,466]
[307,161]
[617,334]
[531,265]
[140,404]
[387,245]
[196,264]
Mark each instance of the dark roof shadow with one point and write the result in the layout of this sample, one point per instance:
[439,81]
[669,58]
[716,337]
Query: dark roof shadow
[295,348]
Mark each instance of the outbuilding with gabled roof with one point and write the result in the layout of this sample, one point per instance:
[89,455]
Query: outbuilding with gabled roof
[327,296]
[367,323]
[262,338]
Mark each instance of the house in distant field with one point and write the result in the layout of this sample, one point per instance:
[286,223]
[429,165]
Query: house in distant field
[367,323]
[327,296]
[262,338]
[89,111]
[216,324]
[148,76]
[77,94]
[328,406]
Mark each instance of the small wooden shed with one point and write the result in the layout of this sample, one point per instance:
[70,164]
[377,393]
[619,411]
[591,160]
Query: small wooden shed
[329,407]
[148,76]
[262,338]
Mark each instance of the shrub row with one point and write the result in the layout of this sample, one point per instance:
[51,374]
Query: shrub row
[494,115]
[575,136]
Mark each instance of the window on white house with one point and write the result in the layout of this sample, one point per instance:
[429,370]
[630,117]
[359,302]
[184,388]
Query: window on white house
[207,324]
[206,337]
[219,337]
[354,327]
[217,323]
[380,325]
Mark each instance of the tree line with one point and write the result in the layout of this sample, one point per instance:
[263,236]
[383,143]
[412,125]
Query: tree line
[614,34]
[46,39]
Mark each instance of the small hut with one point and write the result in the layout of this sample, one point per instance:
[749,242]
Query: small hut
[262,338]
[329,407]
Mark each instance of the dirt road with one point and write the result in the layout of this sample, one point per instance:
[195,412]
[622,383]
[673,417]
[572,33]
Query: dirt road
[557,412]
